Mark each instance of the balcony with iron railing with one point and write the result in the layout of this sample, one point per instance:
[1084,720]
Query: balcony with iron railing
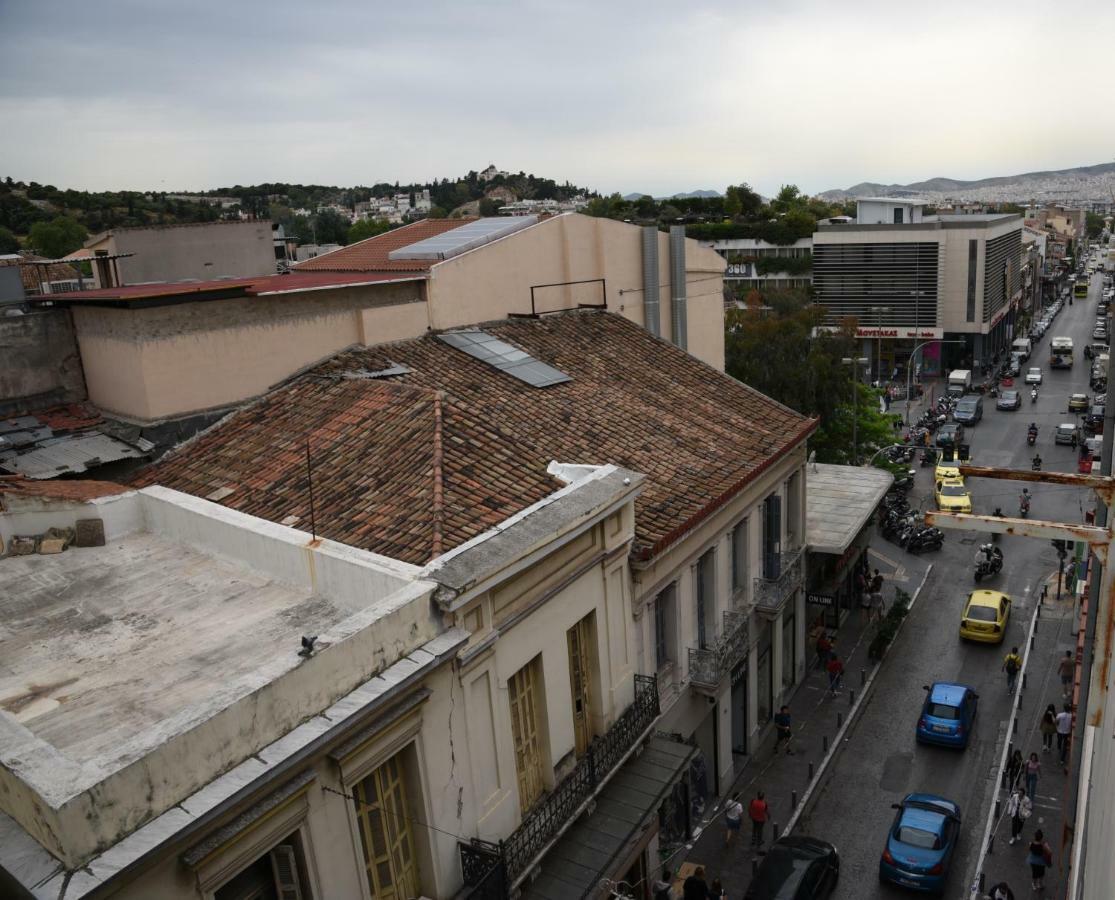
[491,870]
[709,666]
[771,594]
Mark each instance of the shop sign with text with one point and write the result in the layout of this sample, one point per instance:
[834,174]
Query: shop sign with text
[925,334]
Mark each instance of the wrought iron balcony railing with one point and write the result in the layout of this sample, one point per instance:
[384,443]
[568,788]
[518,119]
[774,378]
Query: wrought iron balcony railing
[490,870]
[709,666]
[771,594]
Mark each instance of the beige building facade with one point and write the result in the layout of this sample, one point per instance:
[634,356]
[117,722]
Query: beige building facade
[158,352]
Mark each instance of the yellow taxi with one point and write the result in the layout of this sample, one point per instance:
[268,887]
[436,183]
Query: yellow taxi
[985,617]
[947,468]
[952,495]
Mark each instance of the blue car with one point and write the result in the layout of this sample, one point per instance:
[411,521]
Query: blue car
[921,843]
[948,716]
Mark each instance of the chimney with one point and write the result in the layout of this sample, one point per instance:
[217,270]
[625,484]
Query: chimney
[677,286]
[651,314]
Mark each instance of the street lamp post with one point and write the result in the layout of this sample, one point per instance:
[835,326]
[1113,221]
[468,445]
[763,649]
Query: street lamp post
[879,310]
[910,368]
[854,362]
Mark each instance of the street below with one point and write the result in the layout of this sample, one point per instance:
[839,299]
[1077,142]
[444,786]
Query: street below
[880,761]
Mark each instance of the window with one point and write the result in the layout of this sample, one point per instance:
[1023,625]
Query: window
[664,617]
[772,537]
[794,536]
[523,691]
[705,599]
[383,819]
[740,554]
[973,250]
[898,215]
[278,874]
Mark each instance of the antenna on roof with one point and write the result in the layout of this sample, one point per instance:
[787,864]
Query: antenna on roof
[310,482]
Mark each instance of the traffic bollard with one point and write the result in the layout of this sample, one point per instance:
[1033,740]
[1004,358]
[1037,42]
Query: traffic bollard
[839,720]
[793,799]
[1004,780]
[1015,725]
[776,831]
[851,698]
[862,677]
[1033,637]
[991,844]
[1023,681]
[998,803]
[982,882]
[754,867]
[811,772]
[824,743]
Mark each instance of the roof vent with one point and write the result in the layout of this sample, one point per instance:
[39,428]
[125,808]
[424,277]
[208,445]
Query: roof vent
[500,354]
[460,240]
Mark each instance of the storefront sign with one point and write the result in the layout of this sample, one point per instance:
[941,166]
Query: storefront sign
[820,599]
[884,332]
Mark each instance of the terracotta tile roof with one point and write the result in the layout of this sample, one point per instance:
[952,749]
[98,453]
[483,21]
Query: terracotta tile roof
[371,255]
[57,489]
[404,471]
[633,400]
[69,416]
[33,276]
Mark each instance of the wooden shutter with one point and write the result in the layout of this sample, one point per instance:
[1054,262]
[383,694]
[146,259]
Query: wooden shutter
[579,640]
[385,834]
[524,733]
[284,866]
[772,537]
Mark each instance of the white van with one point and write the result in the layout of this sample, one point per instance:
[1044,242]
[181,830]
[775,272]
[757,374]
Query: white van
[1022,346]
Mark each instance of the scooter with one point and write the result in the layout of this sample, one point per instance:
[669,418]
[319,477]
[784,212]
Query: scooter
[1034,395]
[985,568]
[1032,436]
[1024,507]
[1035,464]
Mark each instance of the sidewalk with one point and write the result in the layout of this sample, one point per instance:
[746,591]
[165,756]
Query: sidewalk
[784,779]
[1043,687]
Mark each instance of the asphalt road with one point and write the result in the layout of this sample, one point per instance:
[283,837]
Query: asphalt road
[880,761]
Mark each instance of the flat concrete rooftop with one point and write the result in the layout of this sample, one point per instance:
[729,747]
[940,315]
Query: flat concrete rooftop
[98,645]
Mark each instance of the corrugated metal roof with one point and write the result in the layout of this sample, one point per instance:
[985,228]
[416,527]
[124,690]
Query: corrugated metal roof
[66,455]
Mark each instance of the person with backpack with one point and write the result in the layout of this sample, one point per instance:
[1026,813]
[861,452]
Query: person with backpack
[733,818]
[759,813]
[1039,857]
[1012,663]
[1019,808]
[663,888]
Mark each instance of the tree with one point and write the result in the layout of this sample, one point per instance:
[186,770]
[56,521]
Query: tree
[1093,225]
[330,227]
[743,198]
[367,228]
[489,206]
[8,241]
[437,212]
[58,237]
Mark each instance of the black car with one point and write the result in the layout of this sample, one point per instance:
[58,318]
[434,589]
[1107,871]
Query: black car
[950,434]
[796,868]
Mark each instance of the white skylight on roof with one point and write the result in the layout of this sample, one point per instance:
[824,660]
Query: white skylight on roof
[468,237]
[500,354]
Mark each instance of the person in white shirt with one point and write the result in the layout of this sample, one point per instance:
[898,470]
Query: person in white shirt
[1019,808]
[1064,729]
[733,818]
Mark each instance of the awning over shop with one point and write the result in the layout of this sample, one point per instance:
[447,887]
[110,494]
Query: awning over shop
[592,847]
[838,502]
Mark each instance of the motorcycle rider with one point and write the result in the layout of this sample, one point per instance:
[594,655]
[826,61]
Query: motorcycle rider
[985,557]
[1033,395]
[1024,501]
[1035,464]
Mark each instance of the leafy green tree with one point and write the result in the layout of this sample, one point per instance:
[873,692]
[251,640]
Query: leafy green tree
[367,228]
[8,241]
[437,212]
[489,206]
[330,227]
[58,237]
[1093,225]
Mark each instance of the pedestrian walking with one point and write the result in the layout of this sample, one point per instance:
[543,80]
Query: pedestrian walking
[782,730]
[1012,663]
[1048,727]
[1019,808]
[1064,729]
[695,887]
[1000,891]
[877,606]
[733,818]
[836,674]
[1040,856]
[1032,770]
[876,583]
[1066,668]
[1014,768]
[663,887]
[824,648]
[759,813]
[716,890]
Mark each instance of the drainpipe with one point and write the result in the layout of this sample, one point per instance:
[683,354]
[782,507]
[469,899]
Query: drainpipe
[677,286]
[651,279]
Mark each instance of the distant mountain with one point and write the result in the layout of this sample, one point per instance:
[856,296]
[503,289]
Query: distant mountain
[686,196]
[1082,183]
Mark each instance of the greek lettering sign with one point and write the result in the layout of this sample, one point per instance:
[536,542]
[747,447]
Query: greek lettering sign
[905,332]
[820,599]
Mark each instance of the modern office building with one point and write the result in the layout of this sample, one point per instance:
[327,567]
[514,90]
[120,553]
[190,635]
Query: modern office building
[902,278]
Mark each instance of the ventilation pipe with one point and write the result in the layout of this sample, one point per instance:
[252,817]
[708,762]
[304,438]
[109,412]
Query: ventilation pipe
[651,279]
[677,285]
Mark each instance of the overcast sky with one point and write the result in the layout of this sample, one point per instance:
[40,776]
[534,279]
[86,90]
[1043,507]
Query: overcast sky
[609,94]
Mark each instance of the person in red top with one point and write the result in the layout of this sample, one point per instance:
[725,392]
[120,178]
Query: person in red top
[824,648]
[759,813]
[836,674]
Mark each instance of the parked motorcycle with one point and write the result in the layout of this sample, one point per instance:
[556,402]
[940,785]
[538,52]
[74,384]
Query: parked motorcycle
[990,563]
